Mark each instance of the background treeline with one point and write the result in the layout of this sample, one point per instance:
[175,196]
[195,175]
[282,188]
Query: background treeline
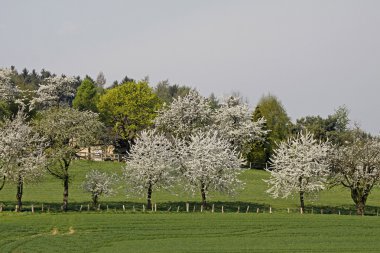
[128,106]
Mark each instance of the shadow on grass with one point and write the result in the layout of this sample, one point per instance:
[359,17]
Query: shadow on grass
[228,207]
[139,206]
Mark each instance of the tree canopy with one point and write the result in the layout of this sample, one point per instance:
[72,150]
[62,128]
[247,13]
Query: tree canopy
[278,127]
[129,108]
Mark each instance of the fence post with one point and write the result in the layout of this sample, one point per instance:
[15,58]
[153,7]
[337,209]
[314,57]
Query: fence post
[88,207]
[80,209]
[270,209]
[201,208]
[124,208]
[222,209]
[42,208]
[177,209]
[247,209]
[213,208]
[257,210]
[187,207]
[288,210]
[32,208]
[238,211]
[143,208]
[155,207]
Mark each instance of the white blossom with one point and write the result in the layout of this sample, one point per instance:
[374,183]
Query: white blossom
[7,89]
[54,92]
[209,163]
[185,115]
[299,165]
[99,184]
[21,150]
[356,165]
[150,164]
[233,121]
[193,113]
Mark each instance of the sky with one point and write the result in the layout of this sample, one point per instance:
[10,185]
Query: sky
[313,55]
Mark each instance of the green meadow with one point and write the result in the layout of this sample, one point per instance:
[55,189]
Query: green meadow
[167,230]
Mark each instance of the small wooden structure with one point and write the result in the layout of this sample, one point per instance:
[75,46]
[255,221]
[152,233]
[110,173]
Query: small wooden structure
[100,153]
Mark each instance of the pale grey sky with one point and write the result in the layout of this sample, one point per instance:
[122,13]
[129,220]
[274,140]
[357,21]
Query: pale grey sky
[313,55]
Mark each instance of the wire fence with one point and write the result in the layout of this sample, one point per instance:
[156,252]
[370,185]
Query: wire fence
[185,208]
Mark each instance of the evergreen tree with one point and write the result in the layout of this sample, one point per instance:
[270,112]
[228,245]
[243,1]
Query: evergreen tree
[86,97]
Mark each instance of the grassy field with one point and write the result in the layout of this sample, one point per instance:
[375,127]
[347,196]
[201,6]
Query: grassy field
[162,232]
[49,191]
[172,231]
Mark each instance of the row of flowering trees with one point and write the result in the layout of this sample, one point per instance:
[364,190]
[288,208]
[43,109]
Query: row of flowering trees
[50,140]
[191,142]
[193,145]
[304,165]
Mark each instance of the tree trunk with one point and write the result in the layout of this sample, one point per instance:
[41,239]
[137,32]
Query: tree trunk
[20,187]
[149,197]
[2,184]
[302,201]
[360,199]
[65,192]
[95,200]
[89,153]
[203,193]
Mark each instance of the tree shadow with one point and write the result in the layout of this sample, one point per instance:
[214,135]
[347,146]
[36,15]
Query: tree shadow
[129,206]
[183,206]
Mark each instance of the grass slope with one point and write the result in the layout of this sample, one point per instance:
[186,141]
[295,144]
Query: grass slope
[49,191]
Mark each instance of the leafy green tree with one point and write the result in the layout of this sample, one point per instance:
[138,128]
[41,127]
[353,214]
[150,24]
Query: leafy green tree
[128,109]
[333,128]
[167,92]
[277,122]
[258,155]
[86,97]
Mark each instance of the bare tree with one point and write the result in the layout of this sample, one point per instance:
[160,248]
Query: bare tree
[100,80]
